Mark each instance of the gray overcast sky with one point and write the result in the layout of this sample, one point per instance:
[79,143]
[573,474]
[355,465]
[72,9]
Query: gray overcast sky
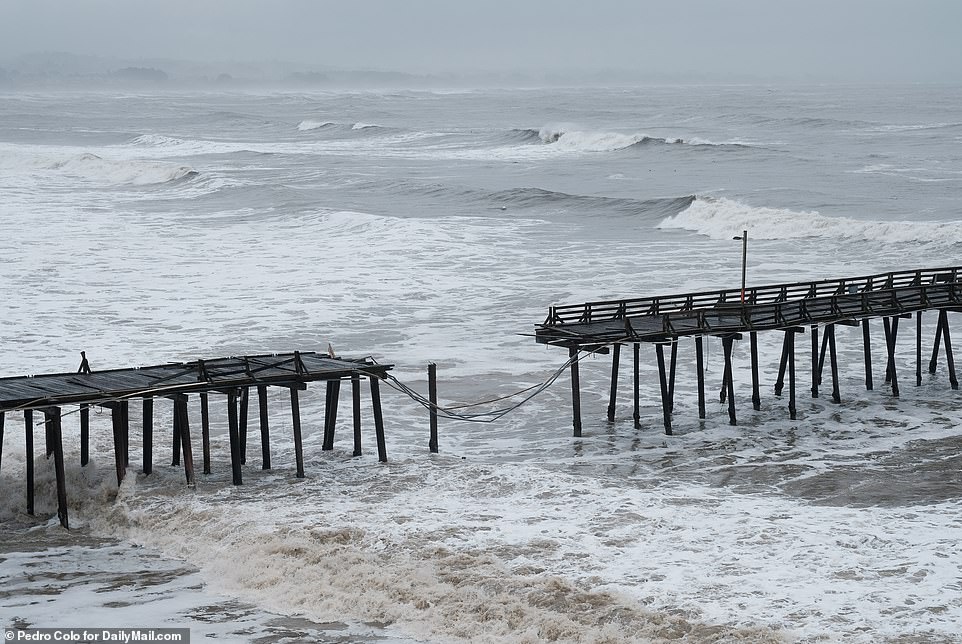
[848,39]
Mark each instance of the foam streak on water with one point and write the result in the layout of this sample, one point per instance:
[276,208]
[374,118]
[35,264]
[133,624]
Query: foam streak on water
[421,226]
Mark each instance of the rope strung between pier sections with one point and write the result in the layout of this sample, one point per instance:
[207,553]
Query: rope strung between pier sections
[481,417]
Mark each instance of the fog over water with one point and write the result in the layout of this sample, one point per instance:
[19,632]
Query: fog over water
[816,40]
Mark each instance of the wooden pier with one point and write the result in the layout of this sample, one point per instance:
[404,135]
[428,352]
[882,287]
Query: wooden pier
[600,327]
[233,377]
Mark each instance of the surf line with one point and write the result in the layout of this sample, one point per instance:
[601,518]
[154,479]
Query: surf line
[233,377]
[603,326]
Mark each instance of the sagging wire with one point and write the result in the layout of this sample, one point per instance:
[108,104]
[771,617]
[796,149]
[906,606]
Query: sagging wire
[451,412]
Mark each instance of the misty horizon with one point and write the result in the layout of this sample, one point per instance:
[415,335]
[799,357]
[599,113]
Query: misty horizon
[880,41]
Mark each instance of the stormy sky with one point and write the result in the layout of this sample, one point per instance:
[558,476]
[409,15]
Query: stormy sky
[913,40]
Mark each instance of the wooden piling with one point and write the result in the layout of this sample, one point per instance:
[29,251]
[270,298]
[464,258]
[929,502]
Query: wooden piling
[700,368]
[783,365]
[356,400]
[790,341]
[756,396]
[330,413]
[53,421]
[671,375]
[433,399]
[180,408]
[636,413]
[265,427]
[918,348]
[148,435]
[815,374]
[245,395]
[575,391]
[379,419]
[296,423]
[84,435]
[833,357]
[935,347]
[891,335]
[727,342]
[125,430]
[175,448]
[205,430]
[613,394]
[232,431]
[665,395]
[28,453]
[116,422]
[949,357]
[867,351]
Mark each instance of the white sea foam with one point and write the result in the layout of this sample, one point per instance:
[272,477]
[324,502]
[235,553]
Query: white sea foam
[94,168]
[720,218]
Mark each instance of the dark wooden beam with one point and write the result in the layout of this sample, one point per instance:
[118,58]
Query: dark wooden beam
[700,377]
[28,453]
[613,392]
[356,400]
[232,431]
[433,399]
[148,435]
[575,391]
[298,443]
[379,419]
[265,427]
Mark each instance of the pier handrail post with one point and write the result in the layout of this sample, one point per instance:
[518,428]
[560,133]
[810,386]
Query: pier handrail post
[744,239]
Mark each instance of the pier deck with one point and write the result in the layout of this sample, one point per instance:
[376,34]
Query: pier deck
[728,314]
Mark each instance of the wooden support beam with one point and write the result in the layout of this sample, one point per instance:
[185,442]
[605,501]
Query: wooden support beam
[28,449]
[949,357]
[756,396]
[636,413]
[821,353]
[180,408]
[148,435]
[935,348]
[84,435]
[116,422]
[613,394]
[356,400]
[265,427]
[53,421]
[330,413]
[379,419]
[433,399]
[665,394]
[232,431]
[125,429]
[298,443]
[790,342]
[816,376]
[575,391]
[867,350]
[891,335]
[727,343]
[918,348]
[671,374]
[175,449]
[783,364]
[833,357]
[205,430]
[700,368]
[245,395]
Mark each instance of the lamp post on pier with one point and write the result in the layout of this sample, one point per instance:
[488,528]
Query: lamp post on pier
[744,239]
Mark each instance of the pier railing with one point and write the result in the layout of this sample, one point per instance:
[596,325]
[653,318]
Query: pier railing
[772,294]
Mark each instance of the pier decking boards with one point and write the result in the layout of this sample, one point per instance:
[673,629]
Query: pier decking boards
[729,314]
[232,377]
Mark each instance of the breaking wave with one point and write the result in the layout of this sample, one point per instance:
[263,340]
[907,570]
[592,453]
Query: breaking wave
[131,172]
[306,126]
[600,141]
[720,218]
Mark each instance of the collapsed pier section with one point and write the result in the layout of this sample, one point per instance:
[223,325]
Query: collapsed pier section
[232,377]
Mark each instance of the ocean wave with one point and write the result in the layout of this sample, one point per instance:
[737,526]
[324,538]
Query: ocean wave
[601,141]
[130,172]
[307,125]
[720,218]
[534,197]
